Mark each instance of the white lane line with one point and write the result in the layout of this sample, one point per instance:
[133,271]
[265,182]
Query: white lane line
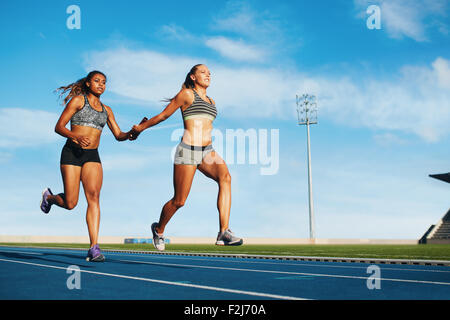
[23,252]
[180,284]
[286,272]
[382,267]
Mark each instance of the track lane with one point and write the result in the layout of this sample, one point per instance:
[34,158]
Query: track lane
[141,276]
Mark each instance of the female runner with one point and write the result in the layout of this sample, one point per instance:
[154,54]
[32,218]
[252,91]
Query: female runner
[194,152]
[80,159]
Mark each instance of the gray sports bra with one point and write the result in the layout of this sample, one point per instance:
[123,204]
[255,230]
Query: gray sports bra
[200,108]
[90,117]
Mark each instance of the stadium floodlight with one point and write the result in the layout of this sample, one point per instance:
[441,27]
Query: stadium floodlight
[307,115]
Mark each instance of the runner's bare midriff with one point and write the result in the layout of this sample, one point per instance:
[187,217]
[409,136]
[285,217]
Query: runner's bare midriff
[91,133]
[197,132]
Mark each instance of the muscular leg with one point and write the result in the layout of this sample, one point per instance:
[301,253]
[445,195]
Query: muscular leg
[183,176]
[92,178]
[71,178]
[214,167]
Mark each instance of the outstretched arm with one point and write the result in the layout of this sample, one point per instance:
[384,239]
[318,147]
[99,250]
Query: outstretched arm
[114,127]
[184,97]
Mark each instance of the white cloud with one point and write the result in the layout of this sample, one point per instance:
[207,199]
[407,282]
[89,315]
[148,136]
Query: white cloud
[441,68]
[251,35]
[236,50]
[259,34]
[409,18]
[236,17]
[25,127]
[415,100]
[410,102]
[388,139]
[403,19]
[151,76]
[240,18]
[123,162]
[177,32]
[145,75]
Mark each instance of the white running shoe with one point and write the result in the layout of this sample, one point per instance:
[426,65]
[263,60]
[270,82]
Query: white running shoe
[227,238]
[158,239]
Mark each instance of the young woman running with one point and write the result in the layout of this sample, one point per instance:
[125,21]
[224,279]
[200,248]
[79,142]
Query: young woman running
[80,160]
[194,152]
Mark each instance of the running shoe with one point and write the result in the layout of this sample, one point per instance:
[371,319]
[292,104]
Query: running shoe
[95,254]
[45,206]
[158,239]
[227,238]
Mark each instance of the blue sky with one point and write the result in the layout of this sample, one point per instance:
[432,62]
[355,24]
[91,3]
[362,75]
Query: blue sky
[383,97]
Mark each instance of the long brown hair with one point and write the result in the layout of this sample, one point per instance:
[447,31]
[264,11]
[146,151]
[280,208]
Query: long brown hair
[188,82]
[79,87]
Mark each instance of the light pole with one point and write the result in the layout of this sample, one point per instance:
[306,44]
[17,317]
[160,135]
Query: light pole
[307,115]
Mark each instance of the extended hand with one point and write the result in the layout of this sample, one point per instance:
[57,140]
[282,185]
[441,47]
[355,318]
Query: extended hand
[136,130]
[133,134]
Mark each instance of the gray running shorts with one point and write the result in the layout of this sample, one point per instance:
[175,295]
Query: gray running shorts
[192,155]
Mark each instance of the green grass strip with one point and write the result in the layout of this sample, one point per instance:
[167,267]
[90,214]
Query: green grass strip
[412,252]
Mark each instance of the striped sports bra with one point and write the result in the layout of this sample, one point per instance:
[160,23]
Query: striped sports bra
[89,117]
[200,108]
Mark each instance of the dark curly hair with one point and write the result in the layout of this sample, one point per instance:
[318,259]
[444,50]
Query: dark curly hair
[79,87]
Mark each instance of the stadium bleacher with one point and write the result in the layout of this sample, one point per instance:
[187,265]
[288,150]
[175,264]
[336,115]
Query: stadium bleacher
[440,232]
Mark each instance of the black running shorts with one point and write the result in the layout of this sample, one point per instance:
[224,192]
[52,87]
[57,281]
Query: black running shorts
[73,154]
